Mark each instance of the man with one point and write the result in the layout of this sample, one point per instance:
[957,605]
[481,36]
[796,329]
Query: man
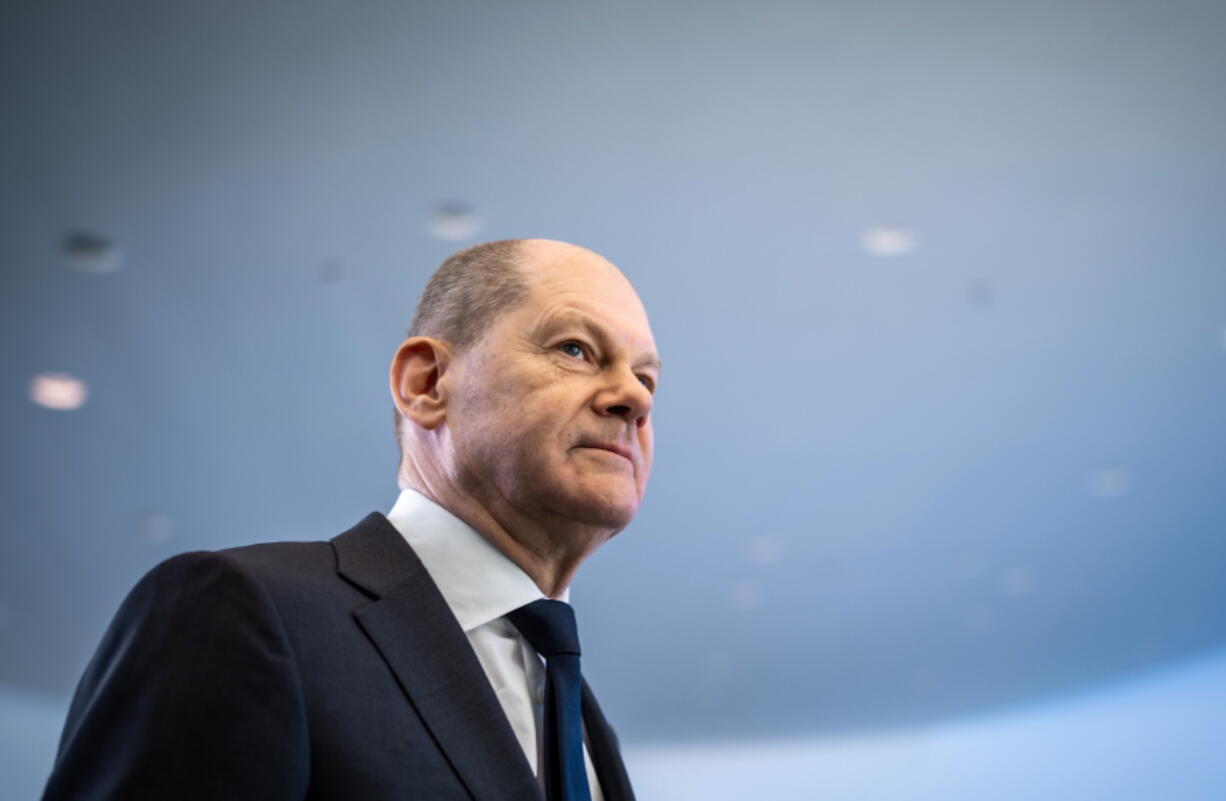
[428,654]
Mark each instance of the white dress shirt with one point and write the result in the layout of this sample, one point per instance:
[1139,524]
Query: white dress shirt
[481,585]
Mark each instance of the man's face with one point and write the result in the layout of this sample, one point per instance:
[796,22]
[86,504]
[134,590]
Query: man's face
[550,411]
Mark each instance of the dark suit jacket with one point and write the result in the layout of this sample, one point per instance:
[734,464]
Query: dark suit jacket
[297,670]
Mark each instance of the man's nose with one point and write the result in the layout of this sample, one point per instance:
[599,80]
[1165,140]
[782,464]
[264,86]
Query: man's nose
[626,397]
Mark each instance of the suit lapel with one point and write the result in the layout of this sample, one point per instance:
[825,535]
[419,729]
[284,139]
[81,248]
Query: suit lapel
[417,635]
[604,750]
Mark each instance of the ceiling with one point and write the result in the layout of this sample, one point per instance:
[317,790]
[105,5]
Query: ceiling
[939,286]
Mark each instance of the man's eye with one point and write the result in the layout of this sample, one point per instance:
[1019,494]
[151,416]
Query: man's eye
[573,349]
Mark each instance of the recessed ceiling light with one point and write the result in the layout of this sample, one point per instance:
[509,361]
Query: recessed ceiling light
[59,391]
[765,549]
[156,527]
[452,222]
[980,293]
[1108,483]
[888,240]
[331,271]
[1017,581]
[746,595]
[88,252]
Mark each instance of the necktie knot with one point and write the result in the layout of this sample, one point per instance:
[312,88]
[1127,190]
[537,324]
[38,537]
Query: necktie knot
[549,626]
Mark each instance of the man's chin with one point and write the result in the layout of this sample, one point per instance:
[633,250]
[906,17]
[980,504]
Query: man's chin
[610,510]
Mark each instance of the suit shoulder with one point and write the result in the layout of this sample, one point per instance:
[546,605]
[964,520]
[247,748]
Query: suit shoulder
[259,562]
[297,573]
[272,570]
[282,557]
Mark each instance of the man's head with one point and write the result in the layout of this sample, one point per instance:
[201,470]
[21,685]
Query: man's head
[526,385]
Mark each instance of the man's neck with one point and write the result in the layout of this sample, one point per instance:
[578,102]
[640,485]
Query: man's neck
[548,550]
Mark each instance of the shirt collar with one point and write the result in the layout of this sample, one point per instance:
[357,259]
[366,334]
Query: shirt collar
[477,581]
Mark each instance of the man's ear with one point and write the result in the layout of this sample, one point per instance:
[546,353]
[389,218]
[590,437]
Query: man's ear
[416,381]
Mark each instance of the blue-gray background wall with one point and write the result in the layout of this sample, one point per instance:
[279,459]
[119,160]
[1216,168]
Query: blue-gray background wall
[941,459]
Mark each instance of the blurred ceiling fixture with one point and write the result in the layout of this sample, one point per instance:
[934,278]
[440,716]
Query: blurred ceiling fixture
[745,595]
[1017,581]
[156,527]
[331,271]
[888,240]
[59,391]
[453,222]
[1109,483]
[765,549]
[88,252]
[980,293]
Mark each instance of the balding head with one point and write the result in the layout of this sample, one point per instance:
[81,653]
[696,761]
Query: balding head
[473,286]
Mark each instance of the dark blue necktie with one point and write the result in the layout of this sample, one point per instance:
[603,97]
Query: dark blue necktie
[550,627]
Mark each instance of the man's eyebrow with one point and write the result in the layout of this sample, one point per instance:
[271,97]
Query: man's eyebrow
[583,320]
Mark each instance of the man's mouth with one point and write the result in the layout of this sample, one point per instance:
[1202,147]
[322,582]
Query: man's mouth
[612,447]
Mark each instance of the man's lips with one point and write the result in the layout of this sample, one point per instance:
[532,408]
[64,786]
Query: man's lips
[612,447]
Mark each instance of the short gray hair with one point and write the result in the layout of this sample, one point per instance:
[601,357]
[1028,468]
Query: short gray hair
[467,293]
